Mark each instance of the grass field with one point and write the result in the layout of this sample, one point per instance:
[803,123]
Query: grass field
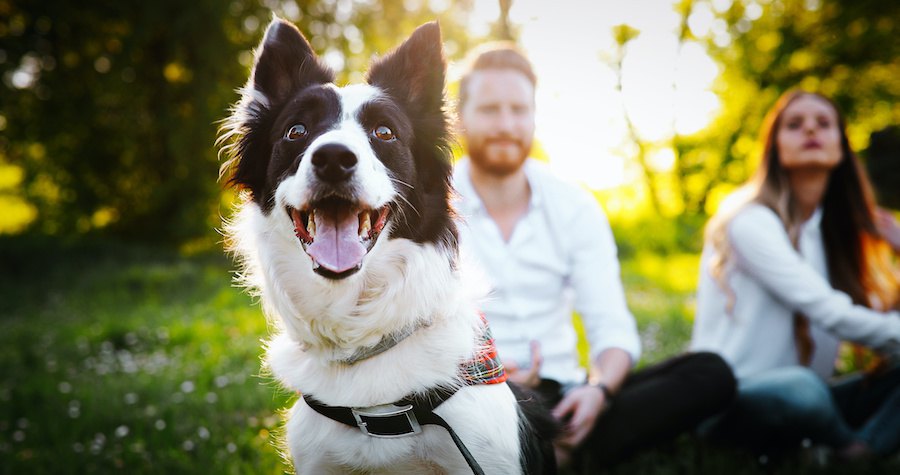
[127,359]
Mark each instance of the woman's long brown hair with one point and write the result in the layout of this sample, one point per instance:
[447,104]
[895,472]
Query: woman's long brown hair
[859,259]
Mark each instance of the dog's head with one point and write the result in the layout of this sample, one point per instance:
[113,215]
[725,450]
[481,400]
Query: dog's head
[339,170]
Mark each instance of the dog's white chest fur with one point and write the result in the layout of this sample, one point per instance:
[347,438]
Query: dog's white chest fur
[485,417]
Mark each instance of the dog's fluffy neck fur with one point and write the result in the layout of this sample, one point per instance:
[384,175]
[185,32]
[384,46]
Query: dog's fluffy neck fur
[319,325]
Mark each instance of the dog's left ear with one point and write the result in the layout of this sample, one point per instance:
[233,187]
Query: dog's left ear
[414,72]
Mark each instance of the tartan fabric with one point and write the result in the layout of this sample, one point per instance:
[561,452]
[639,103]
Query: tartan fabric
[485,367]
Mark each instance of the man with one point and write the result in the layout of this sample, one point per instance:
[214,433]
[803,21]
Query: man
[544,246]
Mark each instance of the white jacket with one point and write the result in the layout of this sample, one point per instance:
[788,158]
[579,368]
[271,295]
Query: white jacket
[771,281]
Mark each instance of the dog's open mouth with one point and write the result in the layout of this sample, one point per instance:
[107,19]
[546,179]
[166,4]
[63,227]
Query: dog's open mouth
[337,234]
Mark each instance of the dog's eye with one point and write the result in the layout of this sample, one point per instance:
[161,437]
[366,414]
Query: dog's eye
[296,132]
[384,133]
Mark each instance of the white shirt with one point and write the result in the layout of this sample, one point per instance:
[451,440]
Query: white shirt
[771,281]
[561,253]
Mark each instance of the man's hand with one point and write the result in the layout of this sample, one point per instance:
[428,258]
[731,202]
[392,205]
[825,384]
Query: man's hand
[532,376]
[581,406]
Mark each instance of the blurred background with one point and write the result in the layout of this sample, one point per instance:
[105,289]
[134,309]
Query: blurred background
[125,346]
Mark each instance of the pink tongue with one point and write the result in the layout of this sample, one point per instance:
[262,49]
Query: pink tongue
[336,246]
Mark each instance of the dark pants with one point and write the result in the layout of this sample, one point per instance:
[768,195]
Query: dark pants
[777,409]
[871,406]
[654,405]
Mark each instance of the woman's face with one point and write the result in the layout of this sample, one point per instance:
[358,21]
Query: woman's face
[809,136]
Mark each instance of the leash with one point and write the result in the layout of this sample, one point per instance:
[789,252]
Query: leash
[438,420]
[403,418]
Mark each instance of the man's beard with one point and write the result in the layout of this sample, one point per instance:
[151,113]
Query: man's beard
[499,163]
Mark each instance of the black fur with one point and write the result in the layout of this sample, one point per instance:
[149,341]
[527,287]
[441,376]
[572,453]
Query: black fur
[539,428]
[413,75]
[285,66]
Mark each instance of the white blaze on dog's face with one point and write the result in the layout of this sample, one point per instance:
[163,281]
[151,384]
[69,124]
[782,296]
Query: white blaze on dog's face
[334,171]
[339,197]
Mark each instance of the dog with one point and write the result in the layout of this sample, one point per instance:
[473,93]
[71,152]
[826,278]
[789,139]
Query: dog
[346,233]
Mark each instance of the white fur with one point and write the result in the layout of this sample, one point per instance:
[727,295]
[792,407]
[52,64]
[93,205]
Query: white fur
[321,321]
[370,181]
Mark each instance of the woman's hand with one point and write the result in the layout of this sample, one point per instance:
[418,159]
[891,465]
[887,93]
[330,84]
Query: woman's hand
[888,227]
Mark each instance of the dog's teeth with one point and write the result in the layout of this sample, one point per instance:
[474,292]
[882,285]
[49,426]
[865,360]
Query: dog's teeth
[365,226]
[311,224]
[315,265]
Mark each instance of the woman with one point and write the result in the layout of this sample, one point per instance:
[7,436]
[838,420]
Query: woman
[793,264]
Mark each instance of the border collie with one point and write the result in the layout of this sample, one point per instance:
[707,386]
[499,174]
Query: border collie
[346,233]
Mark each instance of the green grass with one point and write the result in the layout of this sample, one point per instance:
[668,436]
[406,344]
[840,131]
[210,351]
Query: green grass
[131,360]
[127,359]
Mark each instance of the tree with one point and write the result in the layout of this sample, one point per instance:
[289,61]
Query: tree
[844,49]
[111,110]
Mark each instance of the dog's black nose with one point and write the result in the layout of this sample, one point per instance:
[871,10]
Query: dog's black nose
[333,162]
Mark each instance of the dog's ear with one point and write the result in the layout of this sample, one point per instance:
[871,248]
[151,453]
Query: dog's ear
[286,63]
[414,72]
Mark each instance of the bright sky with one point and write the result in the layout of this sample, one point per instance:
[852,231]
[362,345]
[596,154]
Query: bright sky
[580,115]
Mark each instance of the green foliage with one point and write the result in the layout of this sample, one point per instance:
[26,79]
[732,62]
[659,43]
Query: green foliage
[110,109]
[844,49]
[660,293]
[654,234]
[114,128]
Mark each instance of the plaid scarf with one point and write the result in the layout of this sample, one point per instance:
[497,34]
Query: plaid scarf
[485,367]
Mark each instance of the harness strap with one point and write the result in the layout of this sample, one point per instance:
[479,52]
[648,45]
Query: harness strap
[433,418]
[405,417]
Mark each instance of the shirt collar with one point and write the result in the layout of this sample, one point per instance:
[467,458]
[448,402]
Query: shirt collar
[814,220]
[471,203]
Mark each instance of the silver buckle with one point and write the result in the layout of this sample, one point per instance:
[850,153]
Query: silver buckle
[386,411]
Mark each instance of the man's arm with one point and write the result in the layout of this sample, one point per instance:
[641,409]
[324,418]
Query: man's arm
[610,369]
[595,278]
[609,326]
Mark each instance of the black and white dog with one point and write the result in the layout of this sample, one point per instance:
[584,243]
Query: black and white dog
[346,233]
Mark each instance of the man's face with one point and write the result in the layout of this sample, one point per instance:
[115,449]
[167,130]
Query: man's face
[498,120]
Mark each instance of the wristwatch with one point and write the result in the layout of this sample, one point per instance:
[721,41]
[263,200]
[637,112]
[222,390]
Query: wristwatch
[607,393]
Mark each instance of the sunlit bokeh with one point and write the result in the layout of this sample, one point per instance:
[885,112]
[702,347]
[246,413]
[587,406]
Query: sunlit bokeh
[582,119]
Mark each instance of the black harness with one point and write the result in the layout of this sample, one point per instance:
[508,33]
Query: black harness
[402,418]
